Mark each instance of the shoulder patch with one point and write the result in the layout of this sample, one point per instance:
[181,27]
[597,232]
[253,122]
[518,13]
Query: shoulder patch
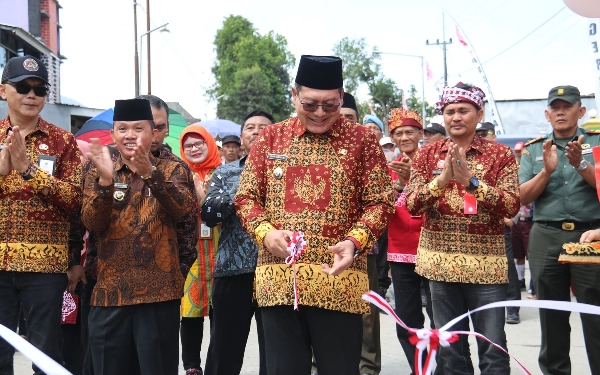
[526,152]
[534,141]
[592,131]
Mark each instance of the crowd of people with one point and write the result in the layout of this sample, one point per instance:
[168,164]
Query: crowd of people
[289,223]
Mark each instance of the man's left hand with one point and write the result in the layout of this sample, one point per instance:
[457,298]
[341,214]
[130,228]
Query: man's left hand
[343,258]
[140,160]
[18,151]
[459,165]
[573,152]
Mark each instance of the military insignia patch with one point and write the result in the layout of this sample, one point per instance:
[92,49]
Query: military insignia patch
[31,65]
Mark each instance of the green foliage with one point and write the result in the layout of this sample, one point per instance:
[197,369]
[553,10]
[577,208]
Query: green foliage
[386,95]
[414,102]
[359,65]
[251,71]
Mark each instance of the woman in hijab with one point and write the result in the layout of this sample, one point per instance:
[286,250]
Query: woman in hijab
[199,150]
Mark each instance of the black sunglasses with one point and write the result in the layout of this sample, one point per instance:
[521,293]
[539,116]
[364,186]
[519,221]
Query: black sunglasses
[24,89]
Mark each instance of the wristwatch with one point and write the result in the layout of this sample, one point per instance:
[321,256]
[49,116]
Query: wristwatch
[473,184]
[149,176]
[583,165]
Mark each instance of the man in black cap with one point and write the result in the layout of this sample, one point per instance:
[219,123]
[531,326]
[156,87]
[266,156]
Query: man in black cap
[486,130]
[321,182]
[135,203]
[349,110]
[40,186]
[231,148]
[557,172]
[433,132]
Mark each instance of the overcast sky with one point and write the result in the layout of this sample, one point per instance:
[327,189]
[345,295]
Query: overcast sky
[98,42]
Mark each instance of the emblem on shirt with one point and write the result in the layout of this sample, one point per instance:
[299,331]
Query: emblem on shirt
[278,173]
[43,147]
[440,164]
[585,146]
[308,192]
[31,65]
[119,195]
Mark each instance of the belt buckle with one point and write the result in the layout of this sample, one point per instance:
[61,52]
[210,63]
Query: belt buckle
[568,226]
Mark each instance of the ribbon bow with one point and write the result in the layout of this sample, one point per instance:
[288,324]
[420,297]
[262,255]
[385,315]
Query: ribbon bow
[296,246]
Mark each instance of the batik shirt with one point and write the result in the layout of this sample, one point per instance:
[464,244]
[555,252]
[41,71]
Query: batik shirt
[135,220]
[330,186]
[34,228]
[237,252]
[187,227]
[459,247]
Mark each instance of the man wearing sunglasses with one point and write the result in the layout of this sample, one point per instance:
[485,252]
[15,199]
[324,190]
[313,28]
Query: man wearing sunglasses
[40,186]
[326,177]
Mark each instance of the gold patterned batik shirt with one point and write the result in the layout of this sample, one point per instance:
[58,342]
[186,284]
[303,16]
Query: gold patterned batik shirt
[459,247]
[330,186]
[34,227]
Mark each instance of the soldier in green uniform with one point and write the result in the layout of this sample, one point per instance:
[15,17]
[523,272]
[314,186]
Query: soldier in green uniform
[557,172]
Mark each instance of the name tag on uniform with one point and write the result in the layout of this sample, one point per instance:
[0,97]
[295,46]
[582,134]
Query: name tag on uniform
[119,185]
[436,172]
[539,158]
[586,151]
[277,157]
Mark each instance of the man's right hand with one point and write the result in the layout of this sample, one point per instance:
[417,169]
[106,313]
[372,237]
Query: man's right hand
[100,156]
[5,163]
[276,242]
[549,156]
[447,172]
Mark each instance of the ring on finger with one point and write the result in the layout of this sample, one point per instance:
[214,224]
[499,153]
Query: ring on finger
[459,163]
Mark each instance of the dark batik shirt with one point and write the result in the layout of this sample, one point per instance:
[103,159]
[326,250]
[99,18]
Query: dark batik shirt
[187,227]
[138,259]
[330,186]
[34,228]
[459,247]
[237,252]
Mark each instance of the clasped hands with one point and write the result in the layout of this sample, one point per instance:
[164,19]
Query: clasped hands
[100,157]
[14,153]
[276,242]
[455,167]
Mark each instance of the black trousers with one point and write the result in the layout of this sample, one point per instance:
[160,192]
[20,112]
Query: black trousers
[513,291]
[117,335]
[39,296]
[233,308]
[73,354]
[291,338]
[84,313]
[192,332]
[383,266]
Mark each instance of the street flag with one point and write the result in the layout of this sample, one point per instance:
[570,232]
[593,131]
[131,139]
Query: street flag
[429,72]
[460,37]
[404,105]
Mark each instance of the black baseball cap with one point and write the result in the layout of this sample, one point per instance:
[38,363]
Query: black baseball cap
[485,126]
[435,128]
[23,67]
[231,138]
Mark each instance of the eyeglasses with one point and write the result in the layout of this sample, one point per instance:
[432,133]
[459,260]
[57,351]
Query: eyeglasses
[190,146]
[24,89]
[312,107]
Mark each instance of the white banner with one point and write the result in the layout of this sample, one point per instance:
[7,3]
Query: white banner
[594,37]
[493,114]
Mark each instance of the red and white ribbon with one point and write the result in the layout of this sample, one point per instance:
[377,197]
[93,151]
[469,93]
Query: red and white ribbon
[296,247]
[423,337]
[45,363]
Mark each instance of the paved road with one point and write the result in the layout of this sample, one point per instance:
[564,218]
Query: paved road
[523,342]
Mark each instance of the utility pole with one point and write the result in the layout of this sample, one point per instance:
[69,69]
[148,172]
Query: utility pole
[148,40]
[136,57]
[443,44]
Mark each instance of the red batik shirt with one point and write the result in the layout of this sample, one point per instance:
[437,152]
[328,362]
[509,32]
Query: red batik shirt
[34,228]
[454,246]
[330,186]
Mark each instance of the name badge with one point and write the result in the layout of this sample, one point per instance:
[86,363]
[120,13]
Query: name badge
[47,163]
[470,204]
[586,151]
[437,172]
[277,157]
[205,231]
[119,185]
[539,158]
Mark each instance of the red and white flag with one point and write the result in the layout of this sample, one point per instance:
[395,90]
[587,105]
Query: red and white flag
[404,105]
[460,37]
[429,71]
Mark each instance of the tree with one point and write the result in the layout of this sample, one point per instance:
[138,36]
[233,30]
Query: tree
[414,102]
[359,65]
[386,95]
[251,71]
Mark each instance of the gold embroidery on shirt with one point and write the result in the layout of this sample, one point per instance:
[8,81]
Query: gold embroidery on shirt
[307,191]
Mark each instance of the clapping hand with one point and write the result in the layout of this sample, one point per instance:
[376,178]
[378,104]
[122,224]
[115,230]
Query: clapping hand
[100,157]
